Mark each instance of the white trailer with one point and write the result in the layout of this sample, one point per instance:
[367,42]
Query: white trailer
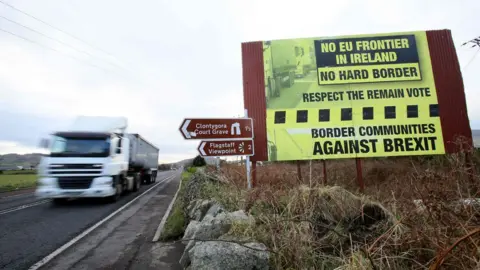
[143,158]
[95,158]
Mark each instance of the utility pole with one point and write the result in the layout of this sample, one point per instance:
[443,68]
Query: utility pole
[475,42]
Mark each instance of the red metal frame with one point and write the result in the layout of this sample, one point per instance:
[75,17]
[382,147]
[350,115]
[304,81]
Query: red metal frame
[254,95]
[450,91]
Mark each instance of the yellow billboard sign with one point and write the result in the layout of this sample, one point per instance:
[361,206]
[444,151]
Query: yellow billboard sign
[351,96]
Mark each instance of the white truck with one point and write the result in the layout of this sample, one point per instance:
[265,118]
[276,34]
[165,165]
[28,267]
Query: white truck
[95,158]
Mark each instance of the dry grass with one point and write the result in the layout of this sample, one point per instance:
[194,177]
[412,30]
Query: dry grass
[311,226]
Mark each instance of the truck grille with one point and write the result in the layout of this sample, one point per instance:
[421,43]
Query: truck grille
[57,169]
[75,182]
[74,172]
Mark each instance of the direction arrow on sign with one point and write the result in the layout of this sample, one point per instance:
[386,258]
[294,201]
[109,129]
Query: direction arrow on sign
[220,148]
[217,128]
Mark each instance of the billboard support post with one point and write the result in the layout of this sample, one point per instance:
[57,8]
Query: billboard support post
[361,184]
[247,162]
[299,171]
[470,166]
[310,173]
[254,174]
[324,172]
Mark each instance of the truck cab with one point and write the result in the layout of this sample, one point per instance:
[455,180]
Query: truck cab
[89,160]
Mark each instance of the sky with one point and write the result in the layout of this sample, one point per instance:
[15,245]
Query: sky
[157,62]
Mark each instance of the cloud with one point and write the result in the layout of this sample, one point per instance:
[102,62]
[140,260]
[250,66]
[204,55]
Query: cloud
[7,147]
[177,59]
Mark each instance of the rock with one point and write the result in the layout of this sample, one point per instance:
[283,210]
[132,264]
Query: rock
[213,227]
[192,191]
[190,230]
[228,255]
[185,260]
[192,205]
[210,228]
[200,209]
[238,216]
[194,186]
[215,209]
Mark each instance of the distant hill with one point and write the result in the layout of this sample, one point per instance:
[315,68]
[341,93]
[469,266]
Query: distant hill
[10,161]
[476,137]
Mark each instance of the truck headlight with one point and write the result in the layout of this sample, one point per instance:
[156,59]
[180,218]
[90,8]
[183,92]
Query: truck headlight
[45,181]
[104,181]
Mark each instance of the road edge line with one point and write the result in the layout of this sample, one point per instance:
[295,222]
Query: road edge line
[79,237]
[167,214]
[16,195]
[23,206]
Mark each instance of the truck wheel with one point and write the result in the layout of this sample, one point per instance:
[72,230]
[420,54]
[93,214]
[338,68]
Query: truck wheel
[59,201]
[149,178]
[154,177]
[137,182]
[118,191]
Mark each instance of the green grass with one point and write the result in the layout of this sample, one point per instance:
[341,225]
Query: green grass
[176,222]
[10,182]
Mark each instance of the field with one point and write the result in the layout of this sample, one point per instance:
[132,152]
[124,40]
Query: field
[13,180]
[415,213]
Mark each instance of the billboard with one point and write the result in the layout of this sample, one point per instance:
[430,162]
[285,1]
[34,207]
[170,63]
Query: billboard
[351,97]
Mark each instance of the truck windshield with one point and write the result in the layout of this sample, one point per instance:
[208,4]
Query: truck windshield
[80,147]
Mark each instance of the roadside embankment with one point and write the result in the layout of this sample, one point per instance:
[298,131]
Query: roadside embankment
[415,213]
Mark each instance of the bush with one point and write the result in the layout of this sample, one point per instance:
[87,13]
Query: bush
[191,170]
[163,167]
[199,161]
[285,208]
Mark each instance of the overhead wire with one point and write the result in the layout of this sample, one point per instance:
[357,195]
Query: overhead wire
[52,49]
[58,29]
[56,40]
[476,43]
[135,77]
[471,59]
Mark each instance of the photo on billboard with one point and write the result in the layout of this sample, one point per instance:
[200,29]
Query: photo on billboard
[351,96]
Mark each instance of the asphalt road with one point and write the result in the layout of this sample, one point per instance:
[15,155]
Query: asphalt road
[28,235]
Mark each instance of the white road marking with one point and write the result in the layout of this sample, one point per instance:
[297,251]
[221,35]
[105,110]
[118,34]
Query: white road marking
[16,195]
[3,212]
[70,243]
[165,216]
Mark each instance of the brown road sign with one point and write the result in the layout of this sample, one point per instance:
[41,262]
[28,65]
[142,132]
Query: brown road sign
[222,148]
[217,128]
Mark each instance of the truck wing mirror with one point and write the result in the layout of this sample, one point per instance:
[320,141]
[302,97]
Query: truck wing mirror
[44,143]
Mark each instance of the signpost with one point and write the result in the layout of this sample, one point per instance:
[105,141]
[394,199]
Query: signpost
[226,148]
[221,137]
[216,128]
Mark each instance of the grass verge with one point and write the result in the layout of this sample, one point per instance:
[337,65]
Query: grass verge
[176,221]
[11,182]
